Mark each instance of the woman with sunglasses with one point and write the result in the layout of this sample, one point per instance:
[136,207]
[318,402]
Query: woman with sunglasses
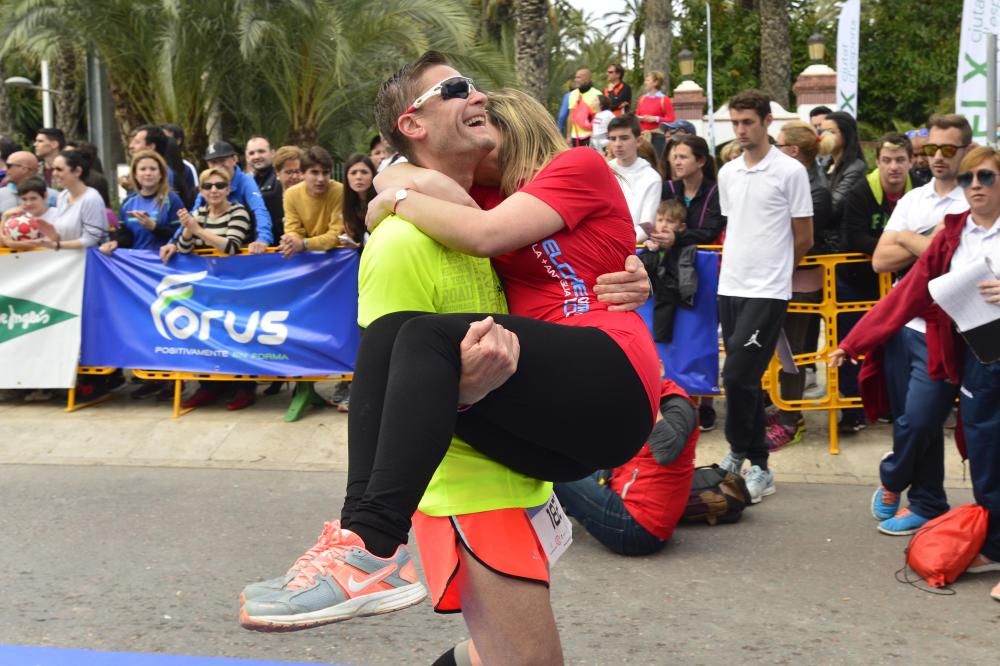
[222,226]
[967,238]
[219,224]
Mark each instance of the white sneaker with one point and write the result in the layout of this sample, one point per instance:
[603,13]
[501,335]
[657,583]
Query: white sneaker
[732,463]
[760,483]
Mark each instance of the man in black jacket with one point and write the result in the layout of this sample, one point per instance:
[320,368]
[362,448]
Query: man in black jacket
[259,156]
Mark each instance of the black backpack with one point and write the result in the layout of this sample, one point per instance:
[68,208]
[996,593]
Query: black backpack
[716,496]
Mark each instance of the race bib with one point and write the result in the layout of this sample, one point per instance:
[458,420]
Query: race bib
[552,527]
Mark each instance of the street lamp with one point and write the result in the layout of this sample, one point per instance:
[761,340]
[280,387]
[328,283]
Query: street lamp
[817,47]
[24,82]
[685,61]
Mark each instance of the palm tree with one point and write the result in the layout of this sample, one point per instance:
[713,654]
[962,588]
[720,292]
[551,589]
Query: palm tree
[775,50]
[320,57]
[532,49]
[659,35]
[158,53]
[627,25]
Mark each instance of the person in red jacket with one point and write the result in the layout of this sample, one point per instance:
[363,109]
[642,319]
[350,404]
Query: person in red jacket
[967,238]
[633,509]
[653,108]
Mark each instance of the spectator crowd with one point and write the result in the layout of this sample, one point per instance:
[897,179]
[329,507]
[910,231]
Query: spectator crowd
[769,197]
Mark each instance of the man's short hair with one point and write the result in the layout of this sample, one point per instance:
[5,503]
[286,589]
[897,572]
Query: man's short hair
[751,100]
[820,111]
[317,156]
[894,141]
[258,136]
[53,134]
[8,147]
[626,121]
[618,69]
[952,121]
[377,139]
[284,154]
[34,184]
[397,93]
[155,136]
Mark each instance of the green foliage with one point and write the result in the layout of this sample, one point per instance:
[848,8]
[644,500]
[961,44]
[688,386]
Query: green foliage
[909,52]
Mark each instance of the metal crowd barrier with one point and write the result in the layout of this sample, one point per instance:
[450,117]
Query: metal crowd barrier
[828,309]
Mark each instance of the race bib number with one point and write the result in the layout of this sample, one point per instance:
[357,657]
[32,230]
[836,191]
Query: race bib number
[552,527]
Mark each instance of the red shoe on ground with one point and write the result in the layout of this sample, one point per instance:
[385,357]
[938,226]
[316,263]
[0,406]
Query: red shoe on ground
[244,398]
[202,397]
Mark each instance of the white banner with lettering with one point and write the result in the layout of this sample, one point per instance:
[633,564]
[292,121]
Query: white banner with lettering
[41,297]
[848,40]
[978,19]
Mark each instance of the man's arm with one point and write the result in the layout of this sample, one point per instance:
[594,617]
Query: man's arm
[897,250]
[255,202]
[802,234]
[625,290]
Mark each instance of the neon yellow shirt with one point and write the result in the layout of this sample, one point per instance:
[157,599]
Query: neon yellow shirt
[402,269]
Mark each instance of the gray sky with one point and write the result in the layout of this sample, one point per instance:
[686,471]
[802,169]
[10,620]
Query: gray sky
[598,8]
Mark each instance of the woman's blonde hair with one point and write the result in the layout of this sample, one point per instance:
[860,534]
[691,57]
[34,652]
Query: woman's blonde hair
[213,171]
[979,154]
[731,151]
[529,138]
[658,78]
[163,189]
[803,135]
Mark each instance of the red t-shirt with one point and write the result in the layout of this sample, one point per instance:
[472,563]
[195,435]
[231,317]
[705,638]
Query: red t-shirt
[553,279]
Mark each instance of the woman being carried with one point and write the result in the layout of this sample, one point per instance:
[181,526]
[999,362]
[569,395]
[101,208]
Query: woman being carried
[586,389]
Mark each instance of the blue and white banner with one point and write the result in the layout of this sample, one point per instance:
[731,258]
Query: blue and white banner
[848,39]
[246,314]
[692,359]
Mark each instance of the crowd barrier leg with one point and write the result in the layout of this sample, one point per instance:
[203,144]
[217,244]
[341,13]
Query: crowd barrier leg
[71,404]
[304,398]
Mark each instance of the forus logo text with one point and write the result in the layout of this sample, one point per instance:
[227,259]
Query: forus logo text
[177,321]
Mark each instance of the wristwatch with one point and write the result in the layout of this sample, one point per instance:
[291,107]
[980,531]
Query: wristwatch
[400,195]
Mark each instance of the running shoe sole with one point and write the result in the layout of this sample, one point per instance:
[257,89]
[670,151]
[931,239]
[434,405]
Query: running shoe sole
[377,603]
[906,532]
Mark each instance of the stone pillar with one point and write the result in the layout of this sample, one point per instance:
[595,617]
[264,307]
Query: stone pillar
[816,85]
[689,101]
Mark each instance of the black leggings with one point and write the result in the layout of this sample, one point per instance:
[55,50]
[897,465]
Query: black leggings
[574,405]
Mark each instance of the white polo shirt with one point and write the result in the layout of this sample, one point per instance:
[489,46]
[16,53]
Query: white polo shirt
[759,204]
[642,186]
[920,210]
[977,244]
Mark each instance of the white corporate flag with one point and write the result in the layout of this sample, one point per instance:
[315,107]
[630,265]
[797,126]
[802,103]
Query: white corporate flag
[978,19]
[848,40]
[41,297]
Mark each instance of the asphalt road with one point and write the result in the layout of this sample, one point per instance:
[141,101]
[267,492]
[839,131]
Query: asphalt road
[152,560]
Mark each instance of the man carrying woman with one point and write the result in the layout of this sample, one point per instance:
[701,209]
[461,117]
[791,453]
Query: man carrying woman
[513,424]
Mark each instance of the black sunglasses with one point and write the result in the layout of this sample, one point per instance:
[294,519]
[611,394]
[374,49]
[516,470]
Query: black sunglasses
[214,186]
[985,177]
[947,150]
